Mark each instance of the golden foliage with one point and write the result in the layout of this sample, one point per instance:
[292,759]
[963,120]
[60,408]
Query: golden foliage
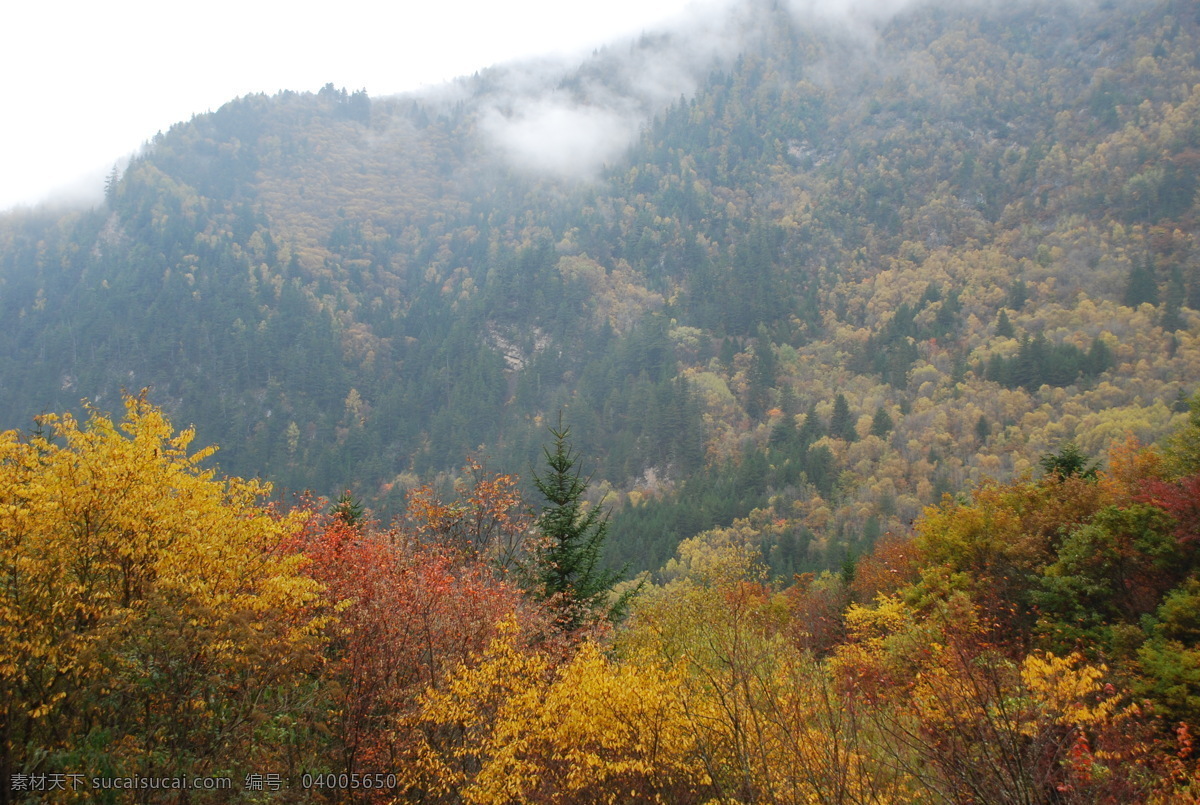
[590,731]
[142,599]
[1069,690]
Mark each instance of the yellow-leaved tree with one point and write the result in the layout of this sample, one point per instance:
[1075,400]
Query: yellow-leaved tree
[765,716]
[512,729]
[149,622]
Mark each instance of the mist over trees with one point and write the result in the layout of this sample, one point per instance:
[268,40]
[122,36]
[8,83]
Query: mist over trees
[980,216]
[879,345]
[345,291]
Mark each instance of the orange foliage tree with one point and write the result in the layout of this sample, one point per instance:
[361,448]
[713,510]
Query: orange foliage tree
[489,519]
[404,615]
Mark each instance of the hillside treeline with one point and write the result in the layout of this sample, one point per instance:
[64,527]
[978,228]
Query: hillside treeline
[1034,641]
[845,273]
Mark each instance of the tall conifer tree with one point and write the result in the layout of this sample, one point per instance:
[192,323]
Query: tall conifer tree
[841,423]
[568,573]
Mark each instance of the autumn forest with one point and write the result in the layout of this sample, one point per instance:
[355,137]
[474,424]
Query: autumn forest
[832,438]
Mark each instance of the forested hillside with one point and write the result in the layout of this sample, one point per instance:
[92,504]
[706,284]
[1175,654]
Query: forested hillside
[835,276]
[165,636]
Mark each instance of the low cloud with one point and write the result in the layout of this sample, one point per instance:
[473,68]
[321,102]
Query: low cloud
[853,11]
[570,121]
[85,191]
[553,135]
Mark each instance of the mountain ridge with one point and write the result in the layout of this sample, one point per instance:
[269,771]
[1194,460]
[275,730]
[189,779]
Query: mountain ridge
[347,291]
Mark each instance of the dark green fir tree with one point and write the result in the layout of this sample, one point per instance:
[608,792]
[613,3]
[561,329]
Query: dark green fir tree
[568,573]
[881,423]
[841,422]
[1068,462]
[1142,287]
[1004,327]
[983,429]
[348,508]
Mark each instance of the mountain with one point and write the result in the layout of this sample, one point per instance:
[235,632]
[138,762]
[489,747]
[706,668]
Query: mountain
[804,274]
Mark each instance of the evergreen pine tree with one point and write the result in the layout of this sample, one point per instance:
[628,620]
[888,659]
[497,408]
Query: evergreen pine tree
[1142,286]
[1068,462]
[762,375]
[1099,357]
[841,423]
[1004,327]
[1018,295]
[348,508]
[1176,294]
[998,370]
[568,573]
[811,430]
[881,423]
[982,429]
[110,186]
[728,350]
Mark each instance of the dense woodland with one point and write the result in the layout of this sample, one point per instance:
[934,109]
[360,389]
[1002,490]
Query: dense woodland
[851,271]
[1036,641]
[861,344]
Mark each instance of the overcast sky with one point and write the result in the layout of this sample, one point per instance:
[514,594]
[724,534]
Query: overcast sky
[89,82]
